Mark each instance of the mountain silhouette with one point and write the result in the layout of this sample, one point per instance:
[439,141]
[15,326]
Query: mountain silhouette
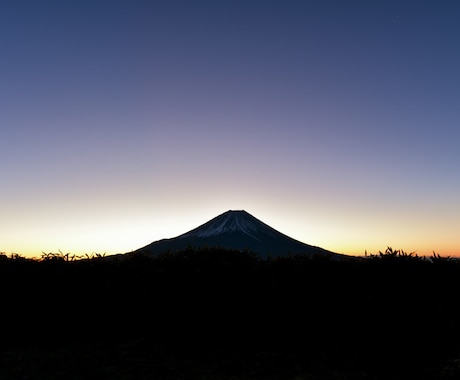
[236,230]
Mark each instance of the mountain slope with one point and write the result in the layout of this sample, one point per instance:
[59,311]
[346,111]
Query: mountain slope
[236,230]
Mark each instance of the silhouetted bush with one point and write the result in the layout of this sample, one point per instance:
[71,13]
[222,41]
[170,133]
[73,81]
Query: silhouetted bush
[387,313]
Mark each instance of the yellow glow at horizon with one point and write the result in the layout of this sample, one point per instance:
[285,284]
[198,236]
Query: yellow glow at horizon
[134,224]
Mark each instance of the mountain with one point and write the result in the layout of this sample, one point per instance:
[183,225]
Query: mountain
[236,230]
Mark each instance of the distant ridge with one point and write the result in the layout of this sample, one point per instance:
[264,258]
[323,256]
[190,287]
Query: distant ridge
[237,230]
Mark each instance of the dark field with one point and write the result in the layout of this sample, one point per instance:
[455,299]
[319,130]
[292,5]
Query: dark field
[219,314]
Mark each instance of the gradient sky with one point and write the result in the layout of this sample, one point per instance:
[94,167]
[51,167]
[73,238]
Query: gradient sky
[124,122]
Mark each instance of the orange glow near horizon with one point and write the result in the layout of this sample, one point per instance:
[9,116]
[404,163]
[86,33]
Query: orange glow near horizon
[120,236]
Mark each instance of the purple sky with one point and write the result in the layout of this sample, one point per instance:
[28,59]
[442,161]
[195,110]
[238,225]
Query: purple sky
[124,122]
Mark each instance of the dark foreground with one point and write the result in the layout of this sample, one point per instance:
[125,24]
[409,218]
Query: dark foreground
[216,314]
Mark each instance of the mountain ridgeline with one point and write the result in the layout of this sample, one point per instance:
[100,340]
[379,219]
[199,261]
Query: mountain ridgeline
[237,230]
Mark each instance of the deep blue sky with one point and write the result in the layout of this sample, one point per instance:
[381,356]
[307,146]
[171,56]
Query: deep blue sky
[124,122]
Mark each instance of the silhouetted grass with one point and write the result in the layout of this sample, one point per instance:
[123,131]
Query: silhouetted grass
[220,314]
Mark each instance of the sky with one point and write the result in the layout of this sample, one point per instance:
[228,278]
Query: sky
[127,121]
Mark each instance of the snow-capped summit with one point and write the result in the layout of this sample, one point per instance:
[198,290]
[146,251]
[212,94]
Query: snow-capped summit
[230,221]
[236,230]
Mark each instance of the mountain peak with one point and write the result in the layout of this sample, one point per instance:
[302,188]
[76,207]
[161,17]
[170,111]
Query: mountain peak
[230,221]
[237,229]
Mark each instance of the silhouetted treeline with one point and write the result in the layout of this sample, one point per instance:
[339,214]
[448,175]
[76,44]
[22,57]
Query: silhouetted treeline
[389,314]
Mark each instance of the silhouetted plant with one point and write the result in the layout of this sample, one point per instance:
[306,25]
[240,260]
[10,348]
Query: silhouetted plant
[437,259]
[228,303]
[390,252]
